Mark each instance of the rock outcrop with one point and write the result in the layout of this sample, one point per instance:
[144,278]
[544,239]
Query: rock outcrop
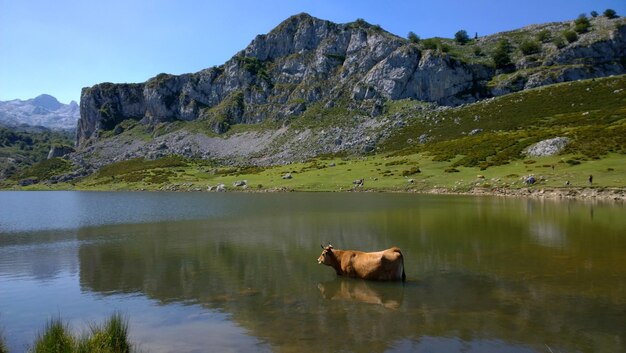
[59,151]
[547,147]
[307,62]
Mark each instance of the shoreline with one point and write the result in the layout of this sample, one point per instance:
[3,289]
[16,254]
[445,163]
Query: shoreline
[598,193]
[572,193]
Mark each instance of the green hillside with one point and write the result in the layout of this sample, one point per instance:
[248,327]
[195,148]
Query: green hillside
[22,147]
[591,113]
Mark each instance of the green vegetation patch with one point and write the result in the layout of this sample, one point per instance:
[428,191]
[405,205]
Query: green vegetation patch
[3,346]
[219,119]
[133,167]
[234,171]
[56,337]
[130,129]
[411,171]
[255,67]
[592,113]
[158,80]
[597,141]
[483,150]
[112,337]
[26,146]
[45,169]
[397,162]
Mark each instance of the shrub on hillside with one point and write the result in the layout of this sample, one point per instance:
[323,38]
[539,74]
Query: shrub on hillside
[430,43]
[582,24]
[45,169]
[559,42]
[570,36]
[500,55]
[141,164]
[411,171]
[544,36]
[530,47]
[461,37]
[610,13]
[594,14]
[413,38]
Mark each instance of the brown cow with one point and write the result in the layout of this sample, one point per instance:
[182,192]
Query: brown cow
[386,265]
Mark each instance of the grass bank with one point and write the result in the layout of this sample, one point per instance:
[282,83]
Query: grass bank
[57,337]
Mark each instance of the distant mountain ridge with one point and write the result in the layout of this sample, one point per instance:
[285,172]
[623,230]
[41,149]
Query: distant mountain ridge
[43,110]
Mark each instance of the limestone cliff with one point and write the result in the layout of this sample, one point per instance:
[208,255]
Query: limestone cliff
[306,61]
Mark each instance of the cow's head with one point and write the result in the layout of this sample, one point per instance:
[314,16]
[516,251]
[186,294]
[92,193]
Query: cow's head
[326,254]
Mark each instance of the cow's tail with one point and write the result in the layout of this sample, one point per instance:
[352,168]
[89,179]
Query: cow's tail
[396,249]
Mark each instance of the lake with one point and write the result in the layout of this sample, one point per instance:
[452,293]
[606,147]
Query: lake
[238,272]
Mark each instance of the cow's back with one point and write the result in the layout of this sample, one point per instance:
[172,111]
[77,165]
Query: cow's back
[383,265]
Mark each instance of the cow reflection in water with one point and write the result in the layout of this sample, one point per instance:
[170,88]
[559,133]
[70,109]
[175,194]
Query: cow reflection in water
[385,265]
[386,295]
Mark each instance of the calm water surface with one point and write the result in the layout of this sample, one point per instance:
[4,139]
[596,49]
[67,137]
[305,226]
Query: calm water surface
[199,272]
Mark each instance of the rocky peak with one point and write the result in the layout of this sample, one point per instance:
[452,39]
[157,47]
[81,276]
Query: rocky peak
[47,101]
[44,110]
[297,34]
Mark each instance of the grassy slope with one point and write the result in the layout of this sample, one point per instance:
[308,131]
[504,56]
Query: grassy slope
[592,113]
[376,171]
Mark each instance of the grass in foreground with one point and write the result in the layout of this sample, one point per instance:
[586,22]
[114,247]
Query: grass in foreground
[54,338]
[3,346]
[112,337]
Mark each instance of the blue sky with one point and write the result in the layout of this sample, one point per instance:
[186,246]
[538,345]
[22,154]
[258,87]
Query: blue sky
[58,47]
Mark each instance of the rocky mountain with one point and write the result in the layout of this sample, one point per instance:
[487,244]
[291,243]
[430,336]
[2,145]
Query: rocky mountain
[323,87]
[43,110]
